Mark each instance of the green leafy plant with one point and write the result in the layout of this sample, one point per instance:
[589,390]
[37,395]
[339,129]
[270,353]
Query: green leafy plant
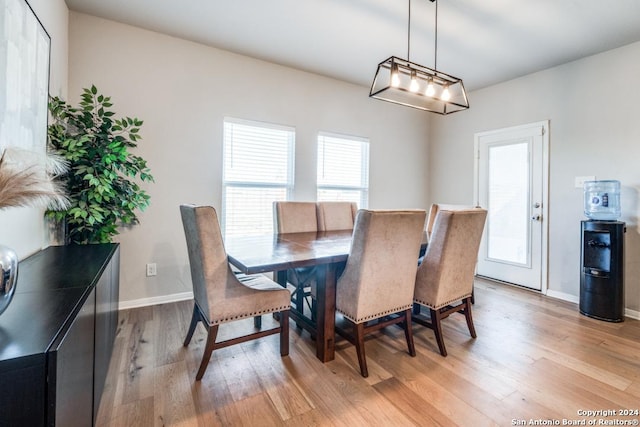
[101,180]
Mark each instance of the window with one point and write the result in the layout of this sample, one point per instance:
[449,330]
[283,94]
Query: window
[343,169]
[257,170]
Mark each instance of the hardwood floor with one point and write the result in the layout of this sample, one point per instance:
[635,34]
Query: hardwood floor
[535,358]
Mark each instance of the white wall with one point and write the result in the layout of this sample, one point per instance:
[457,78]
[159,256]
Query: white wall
[23,229]
[183,90]
[592,105]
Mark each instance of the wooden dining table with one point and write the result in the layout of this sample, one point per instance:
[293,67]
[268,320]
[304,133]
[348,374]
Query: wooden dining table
[327,251]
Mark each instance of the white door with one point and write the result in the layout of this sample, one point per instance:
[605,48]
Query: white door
[511,183]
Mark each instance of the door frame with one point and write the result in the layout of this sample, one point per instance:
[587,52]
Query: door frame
[544,256]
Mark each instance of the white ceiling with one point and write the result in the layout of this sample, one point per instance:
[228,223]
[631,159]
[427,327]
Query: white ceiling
[481,41]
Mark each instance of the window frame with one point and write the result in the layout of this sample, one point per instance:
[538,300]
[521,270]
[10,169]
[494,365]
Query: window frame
[363,189]
[288,186]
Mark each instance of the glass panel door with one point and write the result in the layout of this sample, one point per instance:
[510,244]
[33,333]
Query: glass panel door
[511,166]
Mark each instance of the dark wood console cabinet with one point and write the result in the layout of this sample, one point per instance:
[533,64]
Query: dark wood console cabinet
[57,335]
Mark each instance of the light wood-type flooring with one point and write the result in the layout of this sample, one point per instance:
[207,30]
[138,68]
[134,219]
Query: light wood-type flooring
[536,359]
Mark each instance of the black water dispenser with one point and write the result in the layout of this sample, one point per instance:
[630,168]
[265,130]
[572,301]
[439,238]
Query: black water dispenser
[601,278]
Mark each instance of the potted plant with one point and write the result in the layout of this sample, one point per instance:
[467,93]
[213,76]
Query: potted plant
[101,182]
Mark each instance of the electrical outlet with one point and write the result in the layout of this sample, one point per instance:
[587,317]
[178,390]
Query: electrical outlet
[152,269]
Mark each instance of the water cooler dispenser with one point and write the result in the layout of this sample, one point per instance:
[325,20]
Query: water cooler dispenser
[602,253]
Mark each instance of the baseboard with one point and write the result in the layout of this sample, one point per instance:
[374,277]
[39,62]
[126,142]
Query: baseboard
[163,299]
[563,296]
[632,314]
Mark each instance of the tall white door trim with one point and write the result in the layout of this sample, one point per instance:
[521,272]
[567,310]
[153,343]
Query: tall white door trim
[543,126]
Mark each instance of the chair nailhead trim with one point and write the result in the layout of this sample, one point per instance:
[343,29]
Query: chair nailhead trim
[427,304]
[245,315]
[375,316]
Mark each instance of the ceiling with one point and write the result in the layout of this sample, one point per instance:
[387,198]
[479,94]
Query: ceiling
[484,42]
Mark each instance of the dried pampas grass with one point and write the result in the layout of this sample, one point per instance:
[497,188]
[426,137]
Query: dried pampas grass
[27,179]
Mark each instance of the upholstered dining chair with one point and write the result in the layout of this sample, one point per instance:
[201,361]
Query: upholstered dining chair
[446,273]
[220,296]
[336,215]
[431,218]
[298,217]
[294,217]
[376,287]
[433,212]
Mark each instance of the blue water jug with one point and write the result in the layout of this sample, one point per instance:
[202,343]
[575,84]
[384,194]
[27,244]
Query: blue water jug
[602,200]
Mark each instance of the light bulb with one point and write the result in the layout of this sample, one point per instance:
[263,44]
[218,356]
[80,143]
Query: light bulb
[395,80]
[445,93]
[414,86]
[430,89]
[395,76]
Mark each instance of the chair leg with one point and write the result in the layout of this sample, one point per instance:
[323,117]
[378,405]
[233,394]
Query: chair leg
[257,322]
[208,349]
[359,342]
[284,332]
[473,295]
[408,333]
[195,318]
[416,308]
[436,321]
[467,314]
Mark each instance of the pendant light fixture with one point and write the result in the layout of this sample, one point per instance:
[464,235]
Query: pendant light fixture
[404,82]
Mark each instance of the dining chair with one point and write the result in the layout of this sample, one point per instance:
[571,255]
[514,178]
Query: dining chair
[433,212]
[446,273]
[336,215]
[376,287]
[431,218]
[220,295]
[294,217]
[298,217]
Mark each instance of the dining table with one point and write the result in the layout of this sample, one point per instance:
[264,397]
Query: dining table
[327,251]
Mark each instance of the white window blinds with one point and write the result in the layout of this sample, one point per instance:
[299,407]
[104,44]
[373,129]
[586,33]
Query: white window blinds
[257,170]
[343,169]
